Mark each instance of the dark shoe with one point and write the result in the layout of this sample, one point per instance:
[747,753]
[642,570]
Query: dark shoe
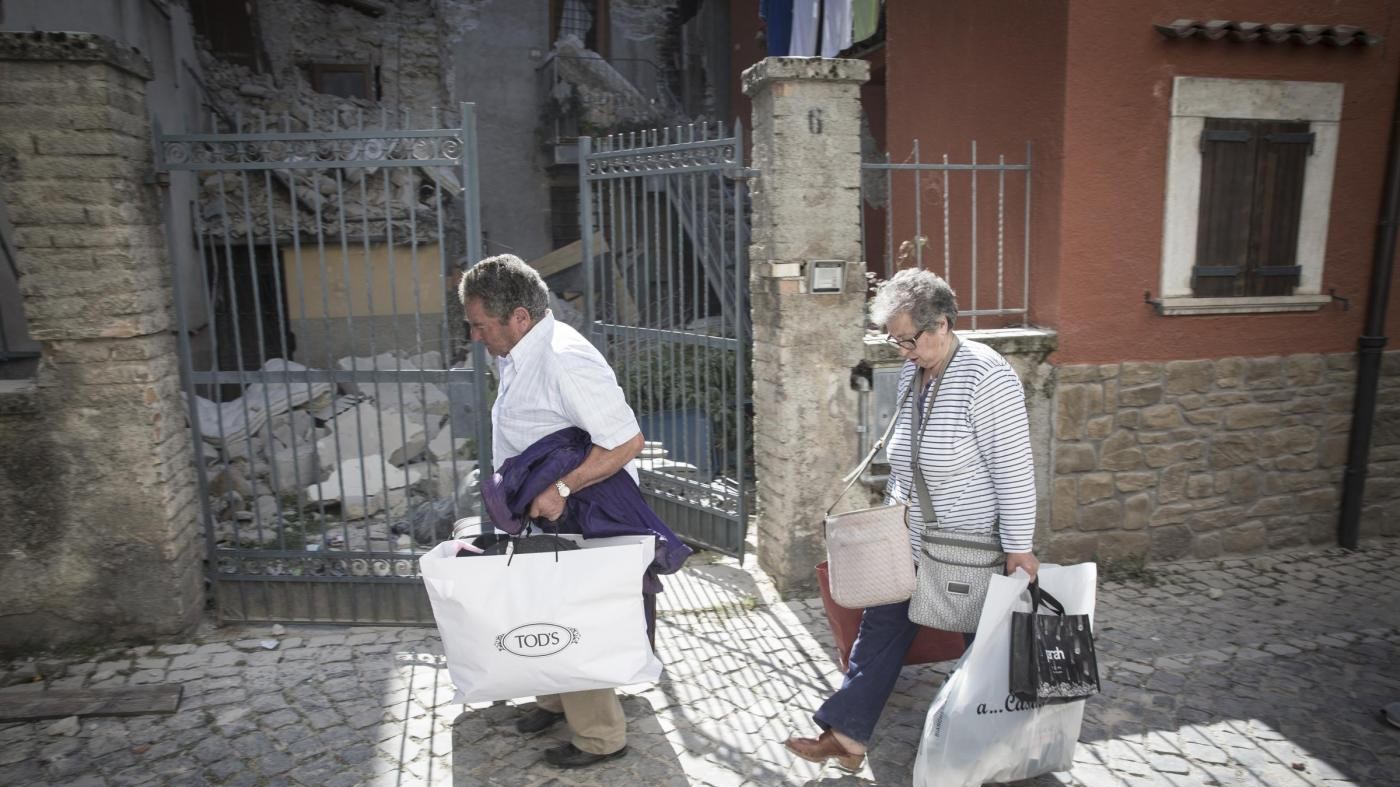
[824,748]
[1391,713]
[537,720]
[570,756]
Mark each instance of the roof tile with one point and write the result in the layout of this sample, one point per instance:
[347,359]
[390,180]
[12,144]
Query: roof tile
[1276,33]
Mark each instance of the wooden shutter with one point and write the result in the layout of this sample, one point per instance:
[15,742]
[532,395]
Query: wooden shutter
[1278,207]
[1251,201]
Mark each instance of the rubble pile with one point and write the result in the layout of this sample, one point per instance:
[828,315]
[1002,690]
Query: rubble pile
[359,202]
[355,466]
[589,88]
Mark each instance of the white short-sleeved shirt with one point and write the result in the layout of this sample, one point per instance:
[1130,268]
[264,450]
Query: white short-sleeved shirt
[553,379]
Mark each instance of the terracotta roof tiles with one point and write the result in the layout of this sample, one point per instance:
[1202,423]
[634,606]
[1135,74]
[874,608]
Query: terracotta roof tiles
[1281,33]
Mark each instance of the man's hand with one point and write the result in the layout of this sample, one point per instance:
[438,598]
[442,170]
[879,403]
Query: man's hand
[548,505]
[1024,560]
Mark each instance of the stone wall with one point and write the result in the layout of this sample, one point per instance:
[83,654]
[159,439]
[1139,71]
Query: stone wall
[405,42]
[96,482]
[1196,459]
[806,206]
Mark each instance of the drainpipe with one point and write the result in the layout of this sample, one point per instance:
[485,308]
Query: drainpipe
[1372,343]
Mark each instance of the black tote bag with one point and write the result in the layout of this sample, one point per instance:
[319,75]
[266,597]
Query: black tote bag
[1052,656]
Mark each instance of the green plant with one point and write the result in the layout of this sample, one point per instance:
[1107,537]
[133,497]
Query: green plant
[665,377]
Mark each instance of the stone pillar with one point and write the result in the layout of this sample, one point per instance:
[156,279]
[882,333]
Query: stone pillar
[806,206]
[97,492]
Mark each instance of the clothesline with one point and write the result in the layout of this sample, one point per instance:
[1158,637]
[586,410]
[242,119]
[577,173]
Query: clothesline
[804,28]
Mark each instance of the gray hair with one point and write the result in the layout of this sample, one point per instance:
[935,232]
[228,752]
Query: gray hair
[923,295]
[504,283]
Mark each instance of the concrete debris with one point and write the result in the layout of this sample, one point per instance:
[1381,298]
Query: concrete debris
[365,486]
[444,446]
[367,429]
[230,423]
[284,98]
[432,522]
[278,629]
[602,98]
[399,395]
[409,397]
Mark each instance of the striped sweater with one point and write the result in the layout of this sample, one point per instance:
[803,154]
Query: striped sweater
[975,452]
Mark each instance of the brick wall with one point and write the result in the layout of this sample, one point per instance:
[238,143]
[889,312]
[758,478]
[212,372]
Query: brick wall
[806,206]
[96,480]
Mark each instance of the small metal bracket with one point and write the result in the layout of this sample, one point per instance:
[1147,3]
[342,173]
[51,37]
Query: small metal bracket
[1346,302]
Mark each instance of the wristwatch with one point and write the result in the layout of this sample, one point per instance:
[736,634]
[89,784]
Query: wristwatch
[562,488]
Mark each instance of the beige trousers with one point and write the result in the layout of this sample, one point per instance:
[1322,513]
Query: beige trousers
[595,716]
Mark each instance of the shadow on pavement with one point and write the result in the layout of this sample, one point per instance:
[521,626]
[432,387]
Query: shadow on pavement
[1264,671]
[488,751]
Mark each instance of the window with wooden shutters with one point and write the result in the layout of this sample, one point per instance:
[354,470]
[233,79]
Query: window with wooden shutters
[1252,177]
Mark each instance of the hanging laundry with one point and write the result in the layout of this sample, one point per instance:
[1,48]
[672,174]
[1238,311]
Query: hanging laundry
[777,17]
[804,28]
[865,19]
[836,27]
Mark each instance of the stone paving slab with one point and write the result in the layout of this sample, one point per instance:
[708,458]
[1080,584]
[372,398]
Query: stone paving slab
[1268,671]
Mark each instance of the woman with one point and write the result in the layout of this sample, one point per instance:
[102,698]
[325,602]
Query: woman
[975,455]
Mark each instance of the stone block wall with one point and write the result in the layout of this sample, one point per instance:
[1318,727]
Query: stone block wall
[96,482]
[1197,459]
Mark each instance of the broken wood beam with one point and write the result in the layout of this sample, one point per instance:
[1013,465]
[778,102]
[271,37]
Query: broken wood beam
[28,703]
[566,257]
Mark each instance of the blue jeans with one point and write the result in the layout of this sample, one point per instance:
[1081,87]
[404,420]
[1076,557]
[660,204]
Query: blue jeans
[876,659]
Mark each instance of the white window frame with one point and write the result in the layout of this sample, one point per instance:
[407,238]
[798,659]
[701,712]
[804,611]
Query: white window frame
[1193,100]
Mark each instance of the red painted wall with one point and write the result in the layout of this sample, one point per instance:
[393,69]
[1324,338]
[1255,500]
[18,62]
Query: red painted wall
[1117,105]
[991,71]
[1088,83]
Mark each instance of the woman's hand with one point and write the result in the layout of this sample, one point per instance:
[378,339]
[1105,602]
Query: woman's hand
[1025,560]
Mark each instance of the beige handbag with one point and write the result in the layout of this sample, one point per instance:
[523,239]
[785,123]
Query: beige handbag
[867,551]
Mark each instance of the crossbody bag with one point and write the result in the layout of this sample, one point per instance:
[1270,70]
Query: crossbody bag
[955,568]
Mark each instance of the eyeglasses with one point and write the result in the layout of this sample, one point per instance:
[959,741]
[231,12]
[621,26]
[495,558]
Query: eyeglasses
[904,344]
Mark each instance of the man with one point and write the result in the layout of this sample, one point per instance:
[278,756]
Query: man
[551,378]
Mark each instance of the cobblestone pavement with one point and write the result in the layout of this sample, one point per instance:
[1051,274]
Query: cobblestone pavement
[1265,671]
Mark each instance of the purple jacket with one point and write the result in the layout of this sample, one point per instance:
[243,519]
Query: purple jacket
[611,507]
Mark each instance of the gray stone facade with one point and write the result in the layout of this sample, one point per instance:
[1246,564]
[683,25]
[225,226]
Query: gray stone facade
[96,480]
[1229,456]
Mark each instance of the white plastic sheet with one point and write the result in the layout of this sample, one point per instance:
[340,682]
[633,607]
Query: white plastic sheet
[976,731]
[541,626]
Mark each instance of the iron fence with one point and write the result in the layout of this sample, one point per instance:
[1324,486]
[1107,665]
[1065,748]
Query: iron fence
[338,425]
[970,215]
[668,305]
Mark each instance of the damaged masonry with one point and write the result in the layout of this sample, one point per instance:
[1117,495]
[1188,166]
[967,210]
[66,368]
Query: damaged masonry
[357,467]
[371,468]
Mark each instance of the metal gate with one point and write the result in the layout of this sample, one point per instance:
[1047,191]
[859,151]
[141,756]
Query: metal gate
[667,302]
[337,420]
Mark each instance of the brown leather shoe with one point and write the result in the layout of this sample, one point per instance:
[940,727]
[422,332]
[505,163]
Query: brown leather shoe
[824,748]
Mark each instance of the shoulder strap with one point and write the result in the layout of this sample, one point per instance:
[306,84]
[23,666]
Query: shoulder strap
[925,505]
[850,479]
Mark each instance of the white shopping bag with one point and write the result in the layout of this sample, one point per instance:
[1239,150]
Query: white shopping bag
[541,625]
[976,731]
